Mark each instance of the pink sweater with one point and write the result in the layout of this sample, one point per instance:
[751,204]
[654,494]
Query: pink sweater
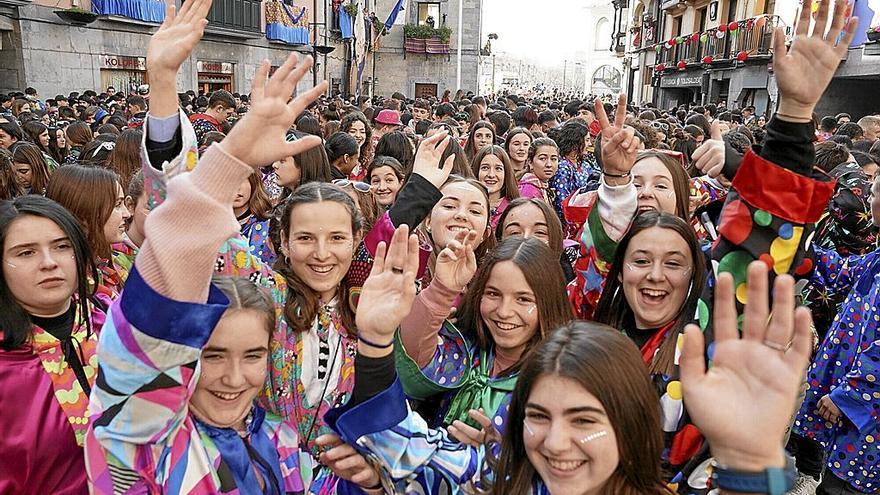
[185,232]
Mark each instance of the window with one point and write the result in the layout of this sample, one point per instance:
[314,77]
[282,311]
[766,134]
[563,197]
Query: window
[676,26]
[700,19]
[429,13]
[237,15]
[603,35]
[606,78]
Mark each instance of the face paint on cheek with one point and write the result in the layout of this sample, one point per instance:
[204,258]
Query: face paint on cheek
[594,436]
[529,429]
[532,309]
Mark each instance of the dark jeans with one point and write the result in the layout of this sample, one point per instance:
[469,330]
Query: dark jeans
[832,485]
[809,456]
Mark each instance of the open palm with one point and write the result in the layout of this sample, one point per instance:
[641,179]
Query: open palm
[260,138]
[805,70]
[457,263]
[388,294]
[744,402]
[178,35]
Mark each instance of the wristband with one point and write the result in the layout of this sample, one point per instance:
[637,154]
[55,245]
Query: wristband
[774,481]
[375,345]
[617,176]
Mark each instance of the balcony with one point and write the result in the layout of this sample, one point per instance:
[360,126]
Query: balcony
[287,24]
[237,18]
[725,45]
[426,39]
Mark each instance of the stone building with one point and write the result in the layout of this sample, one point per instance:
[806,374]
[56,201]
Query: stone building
[59,47]
[700,51]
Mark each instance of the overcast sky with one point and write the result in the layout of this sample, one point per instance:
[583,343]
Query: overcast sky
[544,30]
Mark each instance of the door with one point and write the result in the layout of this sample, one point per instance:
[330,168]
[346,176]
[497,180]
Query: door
[424,90]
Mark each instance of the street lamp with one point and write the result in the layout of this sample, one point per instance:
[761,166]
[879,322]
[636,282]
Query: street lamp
[488,50]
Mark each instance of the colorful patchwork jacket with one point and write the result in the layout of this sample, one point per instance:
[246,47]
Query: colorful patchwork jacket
[569,178]
[143,435]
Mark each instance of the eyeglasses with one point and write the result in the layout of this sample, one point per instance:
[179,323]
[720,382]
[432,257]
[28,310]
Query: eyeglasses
[660,125]
[358,186]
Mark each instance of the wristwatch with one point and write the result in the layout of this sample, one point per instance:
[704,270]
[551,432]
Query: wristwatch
[775,481]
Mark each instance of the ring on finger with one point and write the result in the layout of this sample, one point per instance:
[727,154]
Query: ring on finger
[397,270]
[776,346]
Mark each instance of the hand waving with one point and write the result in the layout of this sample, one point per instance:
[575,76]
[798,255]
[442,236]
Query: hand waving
[388,294]
[804,72]
[346,462]
[178,35]
[427,161]
[457,263]
[619,144]
[259,139]
[471,436]
[744,402]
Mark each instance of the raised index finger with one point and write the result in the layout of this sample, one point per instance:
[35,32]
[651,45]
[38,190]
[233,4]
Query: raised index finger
[620,114]
[599,110]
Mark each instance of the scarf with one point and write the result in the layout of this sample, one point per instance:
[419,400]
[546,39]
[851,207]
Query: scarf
[479,390]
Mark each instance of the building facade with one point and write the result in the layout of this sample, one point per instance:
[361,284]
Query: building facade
[433,46]
[59,47]
[701,51]
[603,64]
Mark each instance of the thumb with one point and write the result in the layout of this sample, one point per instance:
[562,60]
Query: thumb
[715,131]
[300,145]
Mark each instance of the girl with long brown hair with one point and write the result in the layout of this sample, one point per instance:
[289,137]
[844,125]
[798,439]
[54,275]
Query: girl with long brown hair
[125,159]
[513,302]
[481,133]
[30,167]
[492,167]
[93,195]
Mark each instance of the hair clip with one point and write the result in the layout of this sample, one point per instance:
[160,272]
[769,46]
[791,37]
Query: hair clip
[594,436]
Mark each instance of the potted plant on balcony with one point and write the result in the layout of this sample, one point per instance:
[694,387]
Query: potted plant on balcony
[77,16]
[874,33]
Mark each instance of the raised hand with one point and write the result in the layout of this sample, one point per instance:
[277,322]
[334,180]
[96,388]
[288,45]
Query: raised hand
[709,157]
[388,294]
[346,462]
[619,143]
[169,47]
[804,71]
[259,139]
[427,160]
[178,35]
[457,263]
[744,402]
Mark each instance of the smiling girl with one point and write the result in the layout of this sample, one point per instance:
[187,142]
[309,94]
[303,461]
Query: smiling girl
[491,166]
[517,145]
[511,304]
[481,134]
[386,176]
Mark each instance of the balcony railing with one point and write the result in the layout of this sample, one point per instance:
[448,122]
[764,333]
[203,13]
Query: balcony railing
[733,42]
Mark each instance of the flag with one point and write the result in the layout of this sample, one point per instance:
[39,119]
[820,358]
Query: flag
[392,17]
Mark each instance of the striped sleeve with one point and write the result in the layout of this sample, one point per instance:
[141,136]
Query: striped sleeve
[148,352]
[400,442]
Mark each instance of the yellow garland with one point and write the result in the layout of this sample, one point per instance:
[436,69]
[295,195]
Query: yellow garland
[275,14]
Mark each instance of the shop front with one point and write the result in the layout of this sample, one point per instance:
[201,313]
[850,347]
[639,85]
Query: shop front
[214,76]
[680,89]
[124,73]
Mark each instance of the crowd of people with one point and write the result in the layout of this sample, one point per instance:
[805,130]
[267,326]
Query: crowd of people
[259,293]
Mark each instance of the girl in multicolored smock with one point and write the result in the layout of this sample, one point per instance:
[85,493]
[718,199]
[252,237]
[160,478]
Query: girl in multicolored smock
[48,334]
[513,302]
[577,169]
[96,199]
[572,430]
[543,162]
[491,166]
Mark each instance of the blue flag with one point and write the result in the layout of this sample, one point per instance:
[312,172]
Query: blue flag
[392,17]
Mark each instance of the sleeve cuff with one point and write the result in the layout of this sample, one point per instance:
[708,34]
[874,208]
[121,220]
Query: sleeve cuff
[858,412]
[162,318]
[382,412]
[781,192]
[161,130]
